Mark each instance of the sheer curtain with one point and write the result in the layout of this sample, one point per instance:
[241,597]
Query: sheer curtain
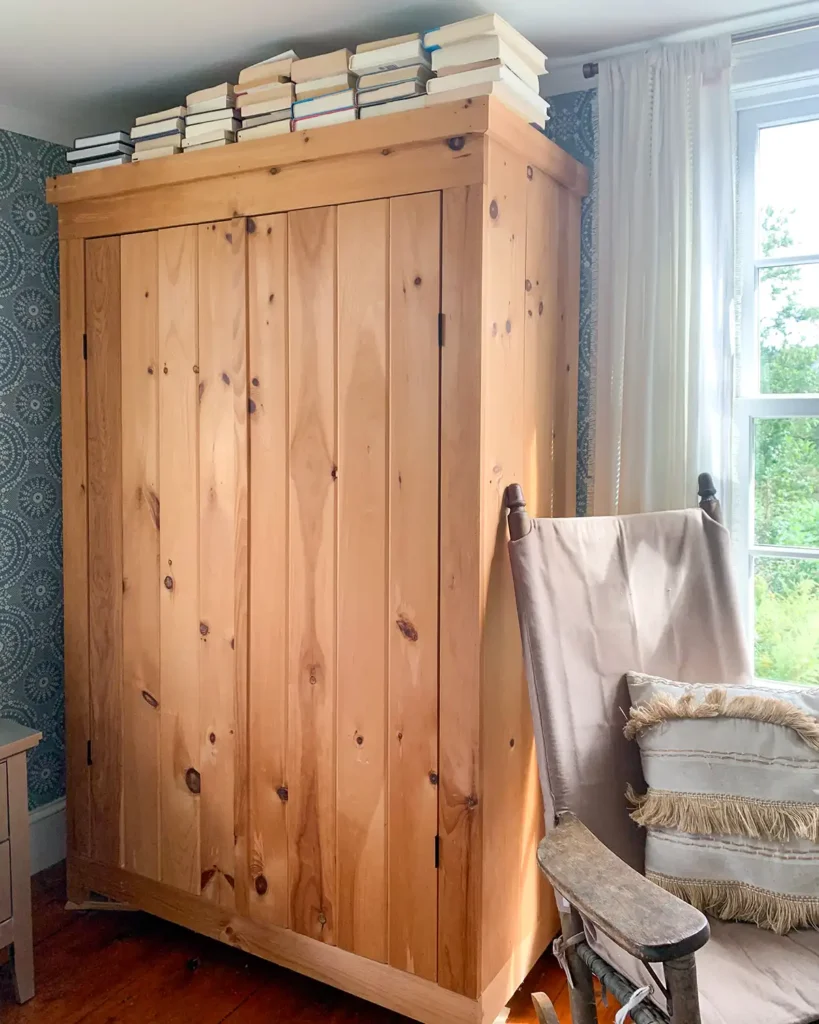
[665,277]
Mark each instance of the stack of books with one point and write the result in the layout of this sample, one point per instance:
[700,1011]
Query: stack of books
[100,151]
[325,91]
[210,119]
[485,56]
[159,134]
[392,75]
[264,97]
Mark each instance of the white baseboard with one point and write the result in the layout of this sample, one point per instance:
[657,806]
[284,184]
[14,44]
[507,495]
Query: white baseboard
[47,835]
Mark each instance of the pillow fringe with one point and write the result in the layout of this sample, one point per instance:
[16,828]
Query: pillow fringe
[715,813]
[662,707]
[737,901]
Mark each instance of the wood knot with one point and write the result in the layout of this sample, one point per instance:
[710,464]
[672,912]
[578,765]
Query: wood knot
[433,778]
[255,382]
[359,740]
[386,152]
[528,285]
[229,237]
[165,370]
[334,472]
[270,230]
[212,738]
[231,881]
[512,742]
[260,884]
[508,326]
[417,282]
[456,143]
[471,802]
[494,330]
[540,309]
[407,629]
[251,406]
[204,628]
[193,781]
[251,225]
[273,170]
[151,370]
[322,919]
[225,379]
[168,581]
[150,699]
[530,172]
[493,210]
[282,793]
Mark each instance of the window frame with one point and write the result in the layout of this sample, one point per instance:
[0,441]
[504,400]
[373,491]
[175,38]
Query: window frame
[749,403]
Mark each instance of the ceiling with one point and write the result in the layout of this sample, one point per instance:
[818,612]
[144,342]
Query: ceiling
[92,65]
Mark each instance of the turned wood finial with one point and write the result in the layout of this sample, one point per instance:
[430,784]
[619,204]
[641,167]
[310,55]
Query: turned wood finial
[708,497]
[514,501]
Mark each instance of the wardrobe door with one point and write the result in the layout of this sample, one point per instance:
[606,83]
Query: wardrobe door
[343,688]
[168,554]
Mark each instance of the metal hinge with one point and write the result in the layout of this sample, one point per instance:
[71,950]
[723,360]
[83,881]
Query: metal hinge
[441,322]
[88,754]
[85,346]
[437,851]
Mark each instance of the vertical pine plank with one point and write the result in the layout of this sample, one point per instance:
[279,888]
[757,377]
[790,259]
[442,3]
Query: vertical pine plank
[541,332]
[223,559]
[75,550]
[568,303]
[102,316]
[413,560]
[312,572]
[362,577]
[140,554]
[267,683]
[460,807]
[180,639]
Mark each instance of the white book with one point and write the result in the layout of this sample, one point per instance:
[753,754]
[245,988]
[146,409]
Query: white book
[399,91]
[101,140]
[263,131]
[379,44]
[394,107]
[212,92]
[172,124]
[265,67]
[411,73]
[153,154]
[208,116]
[217,103]
[93,165]
[485,48]
[171,139]
[320,86]
[266,107]
[196,131]
[521,101]
[272,118]
[486,25]
[324,104]
[322,120]
[222,135]
[162,115]
[209,145]
[95,152]
[389,57]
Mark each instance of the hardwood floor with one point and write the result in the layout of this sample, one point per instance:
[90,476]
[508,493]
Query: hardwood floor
[105,967]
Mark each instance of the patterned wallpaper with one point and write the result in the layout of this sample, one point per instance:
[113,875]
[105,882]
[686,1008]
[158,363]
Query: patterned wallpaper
[31,603]
[573,126]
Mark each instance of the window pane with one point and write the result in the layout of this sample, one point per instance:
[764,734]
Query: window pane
[788,303]
[786,481]
[786,644]
[787,200]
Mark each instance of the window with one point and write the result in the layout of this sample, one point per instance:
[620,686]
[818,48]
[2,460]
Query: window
[777,404]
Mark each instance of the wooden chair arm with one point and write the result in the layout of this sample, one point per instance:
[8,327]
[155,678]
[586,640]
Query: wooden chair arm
[638,915]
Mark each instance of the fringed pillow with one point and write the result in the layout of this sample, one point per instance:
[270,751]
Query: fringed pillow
[732,807]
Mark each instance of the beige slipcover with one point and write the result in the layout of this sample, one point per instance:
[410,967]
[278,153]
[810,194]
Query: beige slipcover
[651,593]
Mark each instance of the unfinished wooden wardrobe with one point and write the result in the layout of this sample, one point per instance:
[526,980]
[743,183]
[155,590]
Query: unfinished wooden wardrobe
[297,375]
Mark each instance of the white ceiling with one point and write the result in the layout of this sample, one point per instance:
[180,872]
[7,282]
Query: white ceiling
[91,65]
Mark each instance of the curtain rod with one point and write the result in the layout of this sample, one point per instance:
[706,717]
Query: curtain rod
[592,69]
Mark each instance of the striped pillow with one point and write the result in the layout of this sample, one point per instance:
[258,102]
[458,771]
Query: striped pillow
[732,806]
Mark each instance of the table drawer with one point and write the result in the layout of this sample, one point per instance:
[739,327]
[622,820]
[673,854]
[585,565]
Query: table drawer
[4,802]
[5,881]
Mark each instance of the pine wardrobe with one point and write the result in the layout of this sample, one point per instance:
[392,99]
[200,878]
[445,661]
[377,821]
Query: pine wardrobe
[297,375]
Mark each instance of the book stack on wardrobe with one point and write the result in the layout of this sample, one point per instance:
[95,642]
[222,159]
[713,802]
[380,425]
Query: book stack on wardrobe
[159,134]
[485,56]
[392,75]
[106,150]
[264,97]
[325,91]
[210,120]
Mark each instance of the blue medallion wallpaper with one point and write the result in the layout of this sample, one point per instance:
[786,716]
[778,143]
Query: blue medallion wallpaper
[573,126]
[31,609]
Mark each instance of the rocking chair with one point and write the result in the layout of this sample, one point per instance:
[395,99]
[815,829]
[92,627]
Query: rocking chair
[597,598]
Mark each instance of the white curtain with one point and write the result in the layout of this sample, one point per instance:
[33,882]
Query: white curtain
[665,277]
